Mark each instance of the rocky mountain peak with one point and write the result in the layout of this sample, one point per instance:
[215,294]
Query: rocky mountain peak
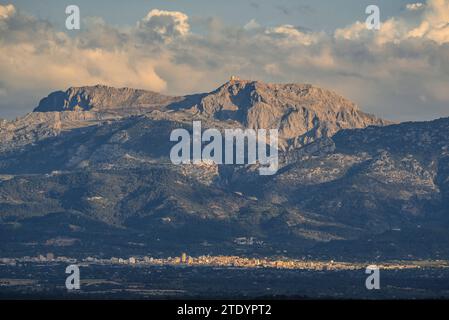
[301,112]
[101,98]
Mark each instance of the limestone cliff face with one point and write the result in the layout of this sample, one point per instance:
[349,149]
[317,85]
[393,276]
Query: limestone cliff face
[38,126]
[301,112]
[102,98]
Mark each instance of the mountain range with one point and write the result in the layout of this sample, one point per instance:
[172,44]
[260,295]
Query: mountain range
[88,173]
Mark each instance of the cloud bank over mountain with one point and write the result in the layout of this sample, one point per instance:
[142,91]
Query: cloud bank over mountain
[400,72]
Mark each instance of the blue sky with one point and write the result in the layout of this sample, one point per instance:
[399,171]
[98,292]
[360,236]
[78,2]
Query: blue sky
[313,14]
[400,72]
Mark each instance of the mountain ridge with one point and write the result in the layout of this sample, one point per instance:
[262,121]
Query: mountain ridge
[301,112]
[101,97]
[341,178]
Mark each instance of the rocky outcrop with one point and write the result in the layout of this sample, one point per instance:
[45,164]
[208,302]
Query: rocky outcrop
[301,112]
[103,98]
[38,126]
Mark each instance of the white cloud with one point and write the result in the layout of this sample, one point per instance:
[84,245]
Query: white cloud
[352,32]
[252,25]
[164,25]
[36,58]
[415,6]
[434,26]
[291,36]
[387,72]
[7,11]
[22,66]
